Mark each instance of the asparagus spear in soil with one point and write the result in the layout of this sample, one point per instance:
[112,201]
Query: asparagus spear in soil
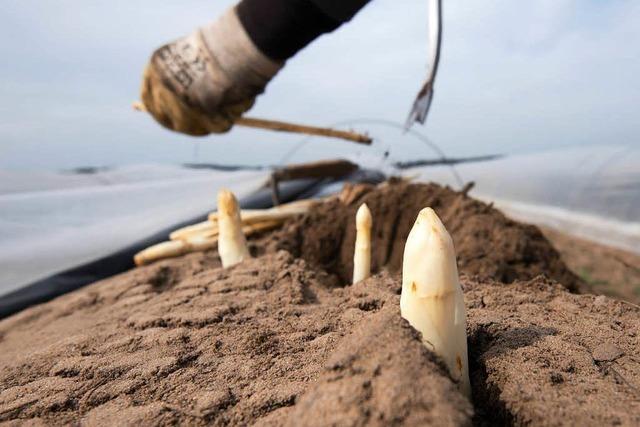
[362,251]
[232,245]
[432,299]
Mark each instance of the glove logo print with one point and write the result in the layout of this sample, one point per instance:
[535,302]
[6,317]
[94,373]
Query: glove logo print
[184,62]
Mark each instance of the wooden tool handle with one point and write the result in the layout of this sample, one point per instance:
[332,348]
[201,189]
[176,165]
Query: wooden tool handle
[291,127]
[309,130]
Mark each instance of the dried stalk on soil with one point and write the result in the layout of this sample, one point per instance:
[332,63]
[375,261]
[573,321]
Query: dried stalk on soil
[248,216]
[160,251]
[232,245]
[279,213]
[362,251]
[205,229]
[431,298]
[173,248]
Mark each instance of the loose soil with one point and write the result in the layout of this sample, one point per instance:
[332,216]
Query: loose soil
[280,340]
[542,356]
[488,244]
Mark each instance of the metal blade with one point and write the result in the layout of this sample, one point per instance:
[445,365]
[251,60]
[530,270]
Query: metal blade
[422,103]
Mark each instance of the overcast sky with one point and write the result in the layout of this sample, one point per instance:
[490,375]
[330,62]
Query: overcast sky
[515,77]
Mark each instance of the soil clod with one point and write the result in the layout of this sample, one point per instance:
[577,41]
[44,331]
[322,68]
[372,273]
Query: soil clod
[606,352]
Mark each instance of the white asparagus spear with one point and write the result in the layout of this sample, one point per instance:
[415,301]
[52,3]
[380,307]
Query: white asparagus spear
[362,251]
[205,228]
[250,229]
[247,230]
[193,243]
[173,248]
[250,216]
[432,299]
[201,243]
[213,216]
[232,245]
[210,227]
[160,251]
[255,217]
[204,235]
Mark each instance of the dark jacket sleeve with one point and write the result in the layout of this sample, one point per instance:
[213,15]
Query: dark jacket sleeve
[280,28]
[340,10]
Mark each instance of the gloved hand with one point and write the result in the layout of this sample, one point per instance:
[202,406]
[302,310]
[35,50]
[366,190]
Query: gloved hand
[202,83]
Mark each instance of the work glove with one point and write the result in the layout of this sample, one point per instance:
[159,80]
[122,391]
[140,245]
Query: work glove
[202,83]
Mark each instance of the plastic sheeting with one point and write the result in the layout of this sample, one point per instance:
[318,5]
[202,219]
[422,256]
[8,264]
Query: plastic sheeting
[590,191]
[50,222]
[53,221]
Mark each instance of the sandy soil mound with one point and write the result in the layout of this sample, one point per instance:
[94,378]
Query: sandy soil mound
[488,244]
[279,339]
[269,342]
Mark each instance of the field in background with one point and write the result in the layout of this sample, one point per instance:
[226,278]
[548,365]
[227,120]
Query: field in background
[606,270]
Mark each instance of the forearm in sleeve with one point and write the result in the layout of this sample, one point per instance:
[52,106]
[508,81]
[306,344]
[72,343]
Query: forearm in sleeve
[281,28]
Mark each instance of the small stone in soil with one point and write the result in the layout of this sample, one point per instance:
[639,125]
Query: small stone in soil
[606,352]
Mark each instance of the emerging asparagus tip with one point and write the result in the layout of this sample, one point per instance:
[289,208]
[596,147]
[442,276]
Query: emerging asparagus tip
[362,250]
[432,299]
[232,245]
